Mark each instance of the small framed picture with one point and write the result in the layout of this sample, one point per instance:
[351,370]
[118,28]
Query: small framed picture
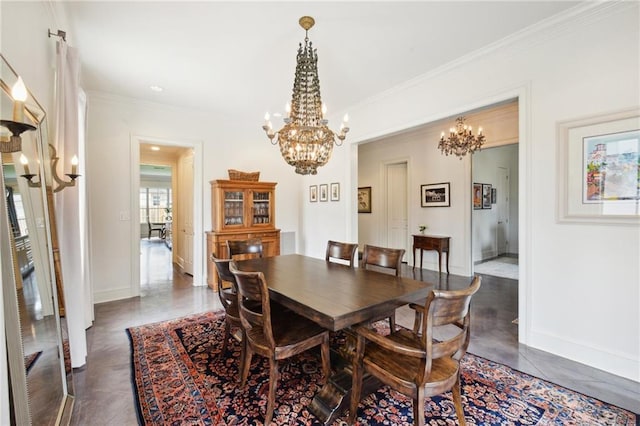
[435,195]
[494,196]
[364,199]
[324,192]
[486,195]
[335,191]
[313,193]
[477,196]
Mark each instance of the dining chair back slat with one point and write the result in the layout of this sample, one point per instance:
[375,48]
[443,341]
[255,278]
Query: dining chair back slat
[342,251]
[245,249]
[383,257]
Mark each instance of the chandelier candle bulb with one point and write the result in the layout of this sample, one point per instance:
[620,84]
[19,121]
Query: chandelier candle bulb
[19,95]
[74,165]
[25,163]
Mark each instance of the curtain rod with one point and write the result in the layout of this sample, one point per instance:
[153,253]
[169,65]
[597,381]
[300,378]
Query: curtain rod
[60,33]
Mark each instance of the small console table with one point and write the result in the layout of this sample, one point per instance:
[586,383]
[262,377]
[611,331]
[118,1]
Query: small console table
[431,242]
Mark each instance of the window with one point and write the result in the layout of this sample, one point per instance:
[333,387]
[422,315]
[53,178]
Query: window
[155,204]
[16,212]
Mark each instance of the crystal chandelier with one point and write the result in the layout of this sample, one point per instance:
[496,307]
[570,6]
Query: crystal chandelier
[461,140]
[305,140]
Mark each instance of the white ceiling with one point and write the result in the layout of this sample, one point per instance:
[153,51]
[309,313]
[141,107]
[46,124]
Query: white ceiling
[238,58]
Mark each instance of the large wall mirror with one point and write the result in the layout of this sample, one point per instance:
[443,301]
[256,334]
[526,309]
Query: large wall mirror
[38,357]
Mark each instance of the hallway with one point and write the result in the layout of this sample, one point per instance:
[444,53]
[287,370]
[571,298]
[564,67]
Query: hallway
[505,266]
[104,390]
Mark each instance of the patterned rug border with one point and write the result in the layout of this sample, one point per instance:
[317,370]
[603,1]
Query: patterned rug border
[221,313]
[132,377]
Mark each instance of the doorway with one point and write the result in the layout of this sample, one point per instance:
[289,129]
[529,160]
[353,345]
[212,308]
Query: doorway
[156,212]
[182,221]
[495,226]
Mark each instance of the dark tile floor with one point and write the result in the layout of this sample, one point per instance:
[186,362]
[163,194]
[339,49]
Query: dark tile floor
[104,390]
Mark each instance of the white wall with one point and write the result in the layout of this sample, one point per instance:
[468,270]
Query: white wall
[485,221]
[330,220]
[578,293]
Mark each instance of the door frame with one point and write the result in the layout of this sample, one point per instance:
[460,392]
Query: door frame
[198,243]
[507,232]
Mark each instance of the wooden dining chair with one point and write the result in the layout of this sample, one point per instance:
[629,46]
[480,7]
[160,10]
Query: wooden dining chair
[274,335]
[414,364]
[342,251]
[385,259]
[228,293]
[244,249]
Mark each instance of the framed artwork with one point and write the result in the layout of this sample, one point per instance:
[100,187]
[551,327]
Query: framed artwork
[599,169]
[364,199]
[313,193]
[435,195]
[335,191]
[494,195]
[324,192]
[477,196]
[486,195]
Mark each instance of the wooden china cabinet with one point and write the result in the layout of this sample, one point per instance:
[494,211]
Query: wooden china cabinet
[241,210]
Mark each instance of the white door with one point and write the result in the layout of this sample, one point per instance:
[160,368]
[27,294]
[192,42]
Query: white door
[502,204]
[397,206]
[185,205]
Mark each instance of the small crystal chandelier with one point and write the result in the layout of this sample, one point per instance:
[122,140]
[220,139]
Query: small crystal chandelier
[461,140]
[305,140]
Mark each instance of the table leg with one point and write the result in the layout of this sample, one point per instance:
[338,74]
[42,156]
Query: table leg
[439,261]
[333,399]
[447,262]
[421,254]
[414,257]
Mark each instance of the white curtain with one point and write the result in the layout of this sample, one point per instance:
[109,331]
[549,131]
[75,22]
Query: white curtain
[69,203]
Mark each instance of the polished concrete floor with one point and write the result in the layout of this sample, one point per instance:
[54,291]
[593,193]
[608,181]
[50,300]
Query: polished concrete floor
[104,390]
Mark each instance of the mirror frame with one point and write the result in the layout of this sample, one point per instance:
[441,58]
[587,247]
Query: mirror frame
[19,400]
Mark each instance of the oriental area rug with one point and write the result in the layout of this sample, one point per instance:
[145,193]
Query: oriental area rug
[180,377]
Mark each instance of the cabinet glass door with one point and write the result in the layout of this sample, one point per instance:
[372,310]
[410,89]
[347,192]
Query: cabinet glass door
[261,211]
[234,208]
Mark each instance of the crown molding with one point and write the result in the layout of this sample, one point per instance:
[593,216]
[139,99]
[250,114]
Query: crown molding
[139,103]
[566,21]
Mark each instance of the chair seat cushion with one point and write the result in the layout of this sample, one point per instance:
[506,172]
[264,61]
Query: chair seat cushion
[289,329]
[404,368]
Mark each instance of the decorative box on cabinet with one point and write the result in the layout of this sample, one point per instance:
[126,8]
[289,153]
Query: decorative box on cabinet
[241,210]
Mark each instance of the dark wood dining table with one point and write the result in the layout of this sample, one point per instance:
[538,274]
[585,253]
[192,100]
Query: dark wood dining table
[336,297]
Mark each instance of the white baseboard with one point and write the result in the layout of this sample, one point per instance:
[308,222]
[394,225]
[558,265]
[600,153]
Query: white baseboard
[623,365]
[111,295]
